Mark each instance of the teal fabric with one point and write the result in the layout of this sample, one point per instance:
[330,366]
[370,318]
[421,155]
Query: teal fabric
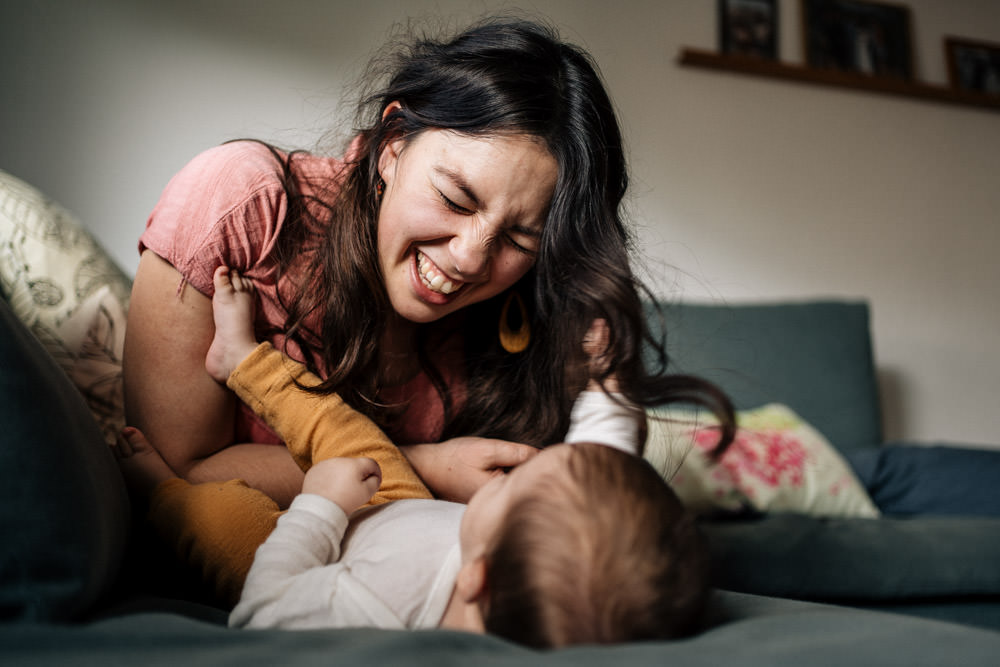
[749,631]
[63,505]
[854,560]
[815,357]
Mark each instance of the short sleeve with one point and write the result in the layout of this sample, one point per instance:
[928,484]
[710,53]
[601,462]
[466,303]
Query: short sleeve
[226,206]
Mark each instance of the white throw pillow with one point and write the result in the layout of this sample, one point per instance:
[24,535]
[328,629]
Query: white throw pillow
[777,463]
[68,292]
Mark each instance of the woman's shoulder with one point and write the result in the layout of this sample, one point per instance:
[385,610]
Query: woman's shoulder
[223,207]
[227,206]
[247,168]
[240,166]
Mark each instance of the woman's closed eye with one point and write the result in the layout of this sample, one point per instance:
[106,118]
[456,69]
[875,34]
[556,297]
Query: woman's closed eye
[509,239]
[451,205]
[508,236]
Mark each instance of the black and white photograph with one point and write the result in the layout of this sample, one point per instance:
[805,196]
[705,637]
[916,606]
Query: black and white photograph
[973,66]
[749,28]
[870,38]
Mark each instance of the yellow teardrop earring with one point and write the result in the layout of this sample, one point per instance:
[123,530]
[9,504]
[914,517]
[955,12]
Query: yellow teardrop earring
[514,339]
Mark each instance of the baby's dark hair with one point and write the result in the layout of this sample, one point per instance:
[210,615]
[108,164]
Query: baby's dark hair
[604,554]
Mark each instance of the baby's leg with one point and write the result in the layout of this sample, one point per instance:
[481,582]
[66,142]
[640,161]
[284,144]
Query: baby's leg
[314,426]
[319,426]
[214,528]
[142,466]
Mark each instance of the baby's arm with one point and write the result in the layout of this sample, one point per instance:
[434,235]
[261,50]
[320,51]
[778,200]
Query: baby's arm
[292,576]
[296,580]
[313,426]
[598,417]
[349,483]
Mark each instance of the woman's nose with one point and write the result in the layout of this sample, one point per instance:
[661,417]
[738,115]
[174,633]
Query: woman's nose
[470,254]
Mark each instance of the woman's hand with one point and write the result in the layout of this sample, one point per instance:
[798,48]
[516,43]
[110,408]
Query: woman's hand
[455,469]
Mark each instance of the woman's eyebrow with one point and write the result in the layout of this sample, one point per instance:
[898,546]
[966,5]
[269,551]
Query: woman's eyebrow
[459,181]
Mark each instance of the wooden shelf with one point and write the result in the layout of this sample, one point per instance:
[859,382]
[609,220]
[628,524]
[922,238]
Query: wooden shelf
[798,73]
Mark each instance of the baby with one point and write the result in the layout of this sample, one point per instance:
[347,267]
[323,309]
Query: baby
[582,543]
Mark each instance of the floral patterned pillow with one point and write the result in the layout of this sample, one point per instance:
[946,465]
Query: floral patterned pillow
[63,286]
[777,463]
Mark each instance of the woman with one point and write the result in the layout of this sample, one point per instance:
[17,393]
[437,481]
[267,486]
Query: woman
[440,278]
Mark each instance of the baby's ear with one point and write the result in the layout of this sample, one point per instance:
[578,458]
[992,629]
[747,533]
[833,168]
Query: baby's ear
[471,583]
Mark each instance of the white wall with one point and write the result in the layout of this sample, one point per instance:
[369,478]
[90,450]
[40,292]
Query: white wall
[744,188]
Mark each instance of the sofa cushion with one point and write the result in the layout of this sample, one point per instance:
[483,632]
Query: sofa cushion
[748,631]
[63,505]
[858,560]
[69,293]
[776,463]
[815,357]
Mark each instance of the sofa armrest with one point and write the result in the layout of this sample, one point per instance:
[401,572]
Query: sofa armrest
[63,505]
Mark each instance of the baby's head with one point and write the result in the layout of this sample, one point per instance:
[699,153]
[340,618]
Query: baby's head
[584,544]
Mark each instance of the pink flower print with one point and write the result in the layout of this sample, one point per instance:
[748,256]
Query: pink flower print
[772,457]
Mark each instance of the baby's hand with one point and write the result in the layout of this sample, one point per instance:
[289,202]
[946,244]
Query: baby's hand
[595,346]
[348,482]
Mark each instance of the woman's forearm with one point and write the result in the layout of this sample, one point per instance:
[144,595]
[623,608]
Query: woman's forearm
[268,468]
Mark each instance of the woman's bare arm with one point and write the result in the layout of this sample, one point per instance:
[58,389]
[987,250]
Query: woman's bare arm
[172,399]
[455,469]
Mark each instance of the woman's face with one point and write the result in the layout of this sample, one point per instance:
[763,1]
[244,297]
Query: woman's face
[460,218]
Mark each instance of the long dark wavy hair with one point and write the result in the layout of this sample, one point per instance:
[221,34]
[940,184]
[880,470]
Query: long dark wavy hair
[499,77]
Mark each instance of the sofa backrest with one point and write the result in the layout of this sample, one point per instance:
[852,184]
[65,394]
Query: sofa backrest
[815,356]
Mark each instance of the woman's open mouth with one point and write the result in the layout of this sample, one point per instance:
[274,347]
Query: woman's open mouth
[433,278]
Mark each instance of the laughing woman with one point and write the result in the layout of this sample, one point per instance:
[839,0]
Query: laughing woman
[439,278]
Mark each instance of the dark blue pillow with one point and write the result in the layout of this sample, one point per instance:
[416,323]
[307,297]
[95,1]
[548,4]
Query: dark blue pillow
[908,479]
[63,505]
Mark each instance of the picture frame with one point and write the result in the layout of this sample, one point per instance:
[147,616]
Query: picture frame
[749,28]
[973,65]
[858,36]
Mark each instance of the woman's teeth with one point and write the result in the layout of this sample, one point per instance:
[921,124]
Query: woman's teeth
[433,278]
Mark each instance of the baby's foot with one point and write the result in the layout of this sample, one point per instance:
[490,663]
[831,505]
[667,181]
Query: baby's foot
[232,308]
[141,465]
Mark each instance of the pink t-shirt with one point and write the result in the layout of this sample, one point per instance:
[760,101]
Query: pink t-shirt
[227,207]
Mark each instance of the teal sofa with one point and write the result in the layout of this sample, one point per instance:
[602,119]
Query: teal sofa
[68,594]
[934,552]
[64,519]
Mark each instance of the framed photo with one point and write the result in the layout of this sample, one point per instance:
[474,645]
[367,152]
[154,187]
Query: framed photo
[870,38]
[973,66]
[749,28]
